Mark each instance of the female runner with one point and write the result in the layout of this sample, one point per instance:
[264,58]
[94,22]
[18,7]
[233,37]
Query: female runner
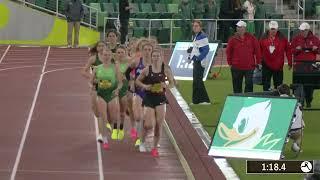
[112,40]
[152,80]
[107,78]
[136,67]
[122,59]
[94,60]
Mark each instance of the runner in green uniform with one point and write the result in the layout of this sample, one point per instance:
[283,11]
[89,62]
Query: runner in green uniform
[122,59]
[107,78]
[94,60]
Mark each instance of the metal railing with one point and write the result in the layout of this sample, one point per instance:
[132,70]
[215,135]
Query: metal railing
[301,5]
[286,26]
[55,7]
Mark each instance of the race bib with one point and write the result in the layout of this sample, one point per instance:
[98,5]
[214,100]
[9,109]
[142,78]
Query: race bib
[271,49]
[104,84]
[156,88]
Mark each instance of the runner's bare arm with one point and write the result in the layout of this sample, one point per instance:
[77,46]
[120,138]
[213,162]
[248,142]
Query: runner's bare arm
[85,72]
[118,75]
[169,74]
[141,77]
[93,80]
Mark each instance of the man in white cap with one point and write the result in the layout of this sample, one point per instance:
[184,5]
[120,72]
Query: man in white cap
[305,47]
[274,46]
[243,56]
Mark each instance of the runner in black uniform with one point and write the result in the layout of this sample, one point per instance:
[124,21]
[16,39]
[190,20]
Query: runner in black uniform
[152,80]
[112,40]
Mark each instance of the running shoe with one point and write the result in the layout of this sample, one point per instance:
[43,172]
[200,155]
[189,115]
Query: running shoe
[114,135]
[142,148]
[154,152]
[105,145]
[99,138]
[295,147]
[121,134]
[138,142]
[133,134]
[108,126]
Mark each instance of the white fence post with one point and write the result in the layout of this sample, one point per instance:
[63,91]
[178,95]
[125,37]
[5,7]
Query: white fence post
[57,7]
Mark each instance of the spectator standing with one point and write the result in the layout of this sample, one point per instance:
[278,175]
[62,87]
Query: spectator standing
[243,55]
[185,12]
[274,46]
[226,12]
[74,13]
[124,15]
[211,12]
[199,52]
[305,47]
[198,9]
[250,10]
[260,13]
[230,9]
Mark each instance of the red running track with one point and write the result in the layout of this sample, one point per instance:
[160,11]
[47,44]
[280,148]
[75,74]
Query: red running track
[47,128]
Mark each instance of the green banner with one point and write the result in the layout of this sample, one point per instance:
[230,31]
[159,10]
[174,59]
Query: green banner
[253,127]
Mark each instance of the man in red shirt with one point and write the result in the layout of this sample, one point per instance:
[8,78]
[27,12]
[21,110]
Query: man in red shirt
[274,45]
[243,55]
[305,47]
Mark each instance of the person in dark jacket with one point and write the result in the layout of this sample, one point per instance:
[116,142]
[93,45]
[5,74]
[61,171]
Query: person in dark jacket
[229,9]
[274,46]
[305,47]
[74,13]
[198,53]
[211,12]
[124,15]
[185,13]
[243,55]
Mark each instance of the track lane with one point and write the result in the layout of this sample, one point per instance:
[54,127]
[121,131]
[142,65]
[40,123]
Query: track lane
[61,142]
[17,88]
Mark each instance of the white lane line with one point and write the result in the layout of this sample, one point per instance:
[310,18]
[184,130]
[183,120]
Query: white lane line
[21,67]
[182,159]
[4,54]
[62,69]
[25,132]
[58,172]
[18,63]
[101,174]
[64,64]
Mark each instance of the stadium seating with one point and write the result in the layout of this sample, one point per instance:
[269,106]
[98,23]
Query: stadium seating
[41,3]
[162,9]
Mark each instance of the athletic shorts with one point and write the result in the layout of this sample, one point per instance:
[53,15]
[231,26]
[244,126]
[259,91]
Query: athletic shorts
[153,101]
[123,91]
[140,93]
[106,95]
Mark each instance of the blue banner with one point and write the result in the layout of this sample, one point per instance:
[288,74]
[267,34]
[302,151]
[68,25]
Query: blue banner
[181,69]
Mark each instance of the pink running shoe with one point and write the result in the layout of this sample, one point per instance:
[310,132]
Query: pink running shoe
[133,134]
[154,152]
[106,146]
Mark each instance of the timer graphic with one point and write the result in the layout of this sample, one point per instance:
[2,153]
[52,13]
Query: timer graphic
[279,167]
